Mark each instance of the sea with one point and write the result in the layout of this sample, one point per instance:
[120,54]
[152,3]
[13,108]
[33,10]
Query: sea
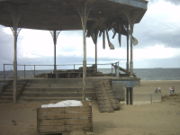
[143,73]
[157,73]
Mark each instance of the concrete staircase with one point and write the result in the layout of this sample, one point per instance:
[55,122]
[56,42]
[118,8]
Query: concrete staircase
[56,90]
[6,95]
[51,90]
[105,97]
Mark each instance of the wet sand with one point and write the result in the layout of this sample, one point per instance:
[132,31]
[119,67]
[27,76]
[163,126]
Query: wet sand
[149,119]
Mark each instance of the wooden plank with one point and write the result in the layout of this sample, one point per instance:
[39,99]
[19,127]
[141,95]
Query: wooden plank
[50,110]
[62,111]
[64,122]
[50,113]
[85,107]
[51,122]
[59,120]
[65,128]
[76,116]
[64,116]
[55,112]
[77,109]
[52,129]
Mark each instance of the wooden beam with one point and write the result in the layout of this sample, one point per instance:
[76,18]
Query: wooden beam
[84,12]
[15,16]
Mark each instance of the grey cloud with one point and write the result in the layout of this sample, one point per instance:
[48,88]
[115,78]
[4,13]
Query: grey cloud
[158,63]
[6,48]
[155,29]
[167,38]
[151,31]
[174,1]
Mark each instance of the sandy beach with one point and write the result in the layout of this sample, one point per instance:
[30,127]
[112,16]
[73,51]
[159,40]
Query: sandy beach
[161,118]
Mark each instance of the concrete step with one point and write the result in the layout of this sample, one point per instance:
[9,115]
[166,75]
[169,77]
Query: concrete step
[31,89]
[11,90]
[5,101]
[6,94]
[56,94]
[2,97]
[68,85]
[105,98]
[11,86]
[57,83]
[25,98]
[3,84]
[49,89]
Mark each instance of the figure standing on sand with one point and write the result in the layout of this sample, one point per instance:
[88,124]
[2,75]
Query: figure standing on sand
[158,90]
[171,90]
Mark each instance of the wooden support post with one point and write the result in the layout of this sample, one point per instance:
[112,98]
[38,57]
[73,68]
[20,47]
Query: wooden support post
[24,71]
[55,41]
[83,12]
[131,95]
[14,12]
[34,70]
[127,62]
[84,57]
[127,95]
[131,50]
[96,56]
[15,64]
[55,35]
[4,71]
[112,68]
[15,31]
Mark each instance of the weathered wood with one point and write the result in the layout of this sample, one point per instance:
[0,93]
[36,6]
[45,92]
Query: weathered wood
[61,122]
[64,119]
[52,122]
[64,116]
[51,129]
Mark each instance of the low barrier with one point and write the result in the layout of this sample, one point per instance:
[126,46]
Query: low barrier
[30,71]
[147,98]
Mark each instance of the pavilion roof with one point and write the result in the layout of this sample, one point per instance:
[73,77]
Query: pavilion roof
[63,14]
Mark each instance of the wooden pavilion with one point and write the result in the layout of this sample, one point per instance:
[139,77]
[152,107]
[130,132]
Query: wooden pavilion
[93,17]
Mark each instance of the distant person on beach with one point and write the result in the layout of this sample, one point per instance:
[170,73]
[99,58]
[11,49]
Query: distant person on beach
[158,90]
[171,90]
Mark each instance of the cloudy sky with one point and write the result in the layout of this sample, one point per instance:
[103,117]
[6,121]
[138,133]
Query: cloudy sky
[158,34]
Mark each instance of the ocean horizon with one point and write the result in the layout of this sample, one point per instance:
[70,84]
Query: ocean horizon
[143,73]
[158,73]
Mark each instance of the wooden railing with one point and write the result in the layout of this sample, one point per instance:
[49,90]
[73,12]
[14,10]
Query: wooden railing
[30,71]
